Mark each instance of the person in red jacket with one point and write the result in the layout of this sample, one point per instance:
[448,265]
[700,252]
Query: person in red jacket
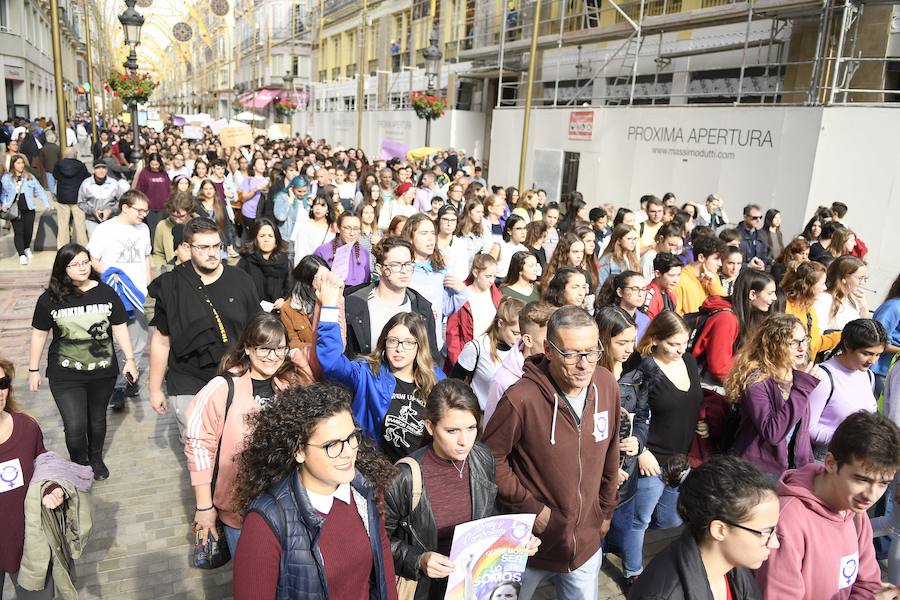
[667,270]
[731,320]
[477,314]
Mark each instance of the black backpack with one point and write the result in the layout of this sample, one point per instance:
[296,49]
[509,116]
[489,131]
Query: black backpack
[696,321]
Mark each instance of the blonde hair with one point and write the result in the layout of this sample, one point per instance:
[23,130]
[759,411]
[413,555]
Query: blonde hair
[507,311]
[841,267]
[766,355]
[665,325]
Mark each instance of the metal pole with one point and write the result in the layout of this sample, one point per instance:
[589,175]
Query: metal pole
[502,51]
[57,72]
[532,60]
[816,69]
[637,54]
[744,53]
[360,75]
[90,67]
[840,51]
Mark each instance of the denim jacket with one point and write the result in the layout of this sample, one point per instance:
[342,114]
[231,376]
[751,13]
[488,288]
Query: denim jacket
[31,187]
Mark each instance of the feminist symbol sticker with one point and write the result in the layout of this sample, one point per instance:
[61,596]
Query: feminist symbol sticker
[11,475]
[849,570]
[601,426]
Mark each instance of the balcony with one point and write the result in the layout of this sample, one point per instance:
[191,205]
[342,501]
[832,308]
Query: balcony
[333,6]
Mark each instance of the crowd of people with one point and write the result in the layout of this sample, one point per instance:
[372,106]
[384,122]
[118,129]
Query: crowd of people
[363,354]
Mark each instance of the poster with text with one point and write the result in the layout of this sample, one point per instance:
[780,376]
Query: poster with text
[490,556]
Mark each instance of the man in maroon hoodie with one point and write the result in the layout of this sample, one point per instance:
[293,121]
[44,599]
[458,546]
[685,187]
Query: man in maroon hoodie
[824,535]
[555,439]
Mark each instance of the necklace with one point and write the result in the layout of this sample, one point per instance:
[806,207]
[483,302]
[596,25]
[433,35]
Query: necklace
[461,469]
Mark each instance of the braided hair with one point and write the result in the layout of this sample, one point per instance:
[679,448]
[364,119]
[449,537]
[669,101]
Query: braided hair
[335,240]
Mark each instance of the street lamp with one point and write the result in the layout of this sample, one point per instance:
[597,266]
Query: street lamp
[132,21]
[432,57]
[288,81]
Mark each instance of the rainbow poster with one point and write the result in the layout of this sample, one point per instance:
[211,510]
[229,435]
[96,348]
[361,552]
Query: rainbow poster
[490,556]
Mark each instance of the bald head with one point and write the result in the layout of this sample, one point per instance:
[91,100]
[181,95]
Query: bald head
[69,153]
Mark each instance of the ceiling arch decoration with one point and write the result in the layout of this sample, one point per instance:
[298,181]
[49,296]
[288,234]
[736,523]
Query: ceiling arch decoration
[219,7]
[182,32]
[145,3]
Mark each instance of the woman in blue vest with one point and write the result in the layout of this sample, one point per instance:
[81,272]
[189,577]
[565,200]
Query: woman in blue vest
[309,482]
[389,385]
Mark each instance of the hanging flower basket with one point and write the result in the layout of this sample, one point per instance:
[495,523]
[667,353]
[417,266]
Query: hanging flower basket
[428,106]
[131,86]
[285,107]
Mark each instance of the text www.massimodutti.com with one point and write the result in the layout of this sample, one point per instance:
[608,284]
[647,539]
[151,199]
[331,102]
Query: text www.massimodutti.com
[685,152]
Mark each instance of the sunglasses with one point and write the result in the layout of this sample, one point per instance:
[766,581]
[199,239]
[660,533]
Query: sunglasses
[5,383]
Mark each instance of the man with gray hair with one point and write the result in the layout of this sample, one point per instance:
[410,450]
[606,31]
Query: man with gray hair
[555,440]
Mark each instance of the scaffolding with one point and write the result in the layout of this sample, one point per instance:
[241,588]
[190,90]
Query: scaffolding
[638,54]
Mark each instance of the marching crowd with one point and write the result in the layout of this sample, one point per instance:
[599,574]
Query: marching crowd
[363,354]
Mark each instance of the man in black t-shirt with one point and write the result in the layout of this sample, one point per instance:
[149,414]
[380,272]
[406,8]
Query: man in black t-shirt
[201,307]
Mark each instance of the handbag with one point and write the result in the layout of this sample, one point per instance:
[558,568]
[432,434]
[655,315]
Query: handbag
[212,553]
[406,588]
[10,213]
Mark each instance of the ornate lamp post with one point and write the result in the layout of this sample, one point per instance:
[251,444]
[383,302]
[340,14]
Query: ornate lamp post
[132,21]
[432,57]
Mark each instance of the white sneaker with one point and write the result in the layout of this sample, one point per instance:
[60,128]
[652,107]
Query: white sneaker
[28,253]
[23,260]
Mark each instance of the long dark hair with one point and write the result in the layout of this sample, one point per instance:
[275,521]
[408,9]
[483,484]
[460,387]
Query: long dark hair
[894,292]
[557,287]
[250,246]
[608,295]
[516,264]
[423,368]
[262,329]
[61,286]
[284,427]
[329,205]
[748,317]
[611,321]
[302,276]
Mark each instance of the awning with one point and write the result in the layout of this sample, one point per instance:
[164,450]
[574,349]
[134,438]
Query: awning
[257,99]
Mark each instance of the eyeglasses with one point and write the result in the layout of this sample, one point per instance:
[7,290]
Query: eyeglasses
[336,448]
[755,217]
[519,228]
[634,289]
[861,278]
[141,211]
[5,383]
[263,352]
[404,266]
[764,536]
[207,248]
[448,219]
[349,229]
[573,358]
[800,344]
[392,343]
[80,264]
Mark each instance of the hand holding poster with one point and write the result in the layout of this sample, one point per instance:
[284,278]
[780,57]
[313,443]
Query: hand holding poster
[488,554]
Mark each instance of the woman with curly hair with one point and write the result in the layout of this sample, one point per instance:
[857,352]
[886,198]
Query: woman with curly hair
[308,483]
[589,265]
[390,384]
[249,377]
[569,287]
[801,287]
[794,253]
[772,381]
[353,261]
[264,258]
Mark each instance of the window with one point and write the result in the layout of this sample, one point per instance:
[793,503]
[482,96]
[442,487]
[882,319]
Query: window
[421,8]
[4,17]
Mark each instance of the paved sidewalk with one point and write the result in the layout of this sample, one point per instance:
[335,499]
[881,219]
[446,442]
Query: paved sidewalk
[140,543]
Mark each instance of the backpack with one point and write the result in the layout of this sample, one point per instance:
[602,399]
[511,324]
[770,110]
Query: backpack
[696,321]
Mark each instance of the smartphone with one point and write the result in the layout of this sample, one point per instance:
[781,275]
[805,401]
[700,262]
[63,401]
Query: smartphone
[129,378]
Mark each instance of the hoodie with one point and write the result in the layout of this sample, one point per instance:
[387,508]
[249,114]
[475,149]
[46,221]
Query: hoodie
[545,458]
[69,173]
[823,554]
[691,291]
[714,348]
[510,371]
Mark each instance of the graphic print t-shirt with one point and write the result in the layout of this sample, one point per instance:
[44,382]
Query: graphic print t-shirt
[263,391]
[404,422]
[82,345]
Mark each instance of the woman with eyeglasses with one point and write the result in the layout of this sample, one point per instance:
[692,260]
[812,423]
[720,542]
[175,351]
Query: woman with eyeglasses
[849,383]
[250,375]
[456,475]
[452,248]
[264,258]
[84,315]
[844,298]
[628,291]
[618,337]
[390,384]
[309,483]
[772,380]
[315,228]
[345,254]
[731,512]
[672,383]
[514,232]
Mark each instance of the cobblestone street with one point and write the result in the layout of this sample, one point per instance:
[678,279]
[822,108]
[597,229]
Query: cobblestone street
[140,544]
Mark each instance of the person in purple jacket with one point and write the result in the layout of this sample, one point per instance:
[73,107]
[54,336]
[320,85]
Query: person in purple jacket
[771,380]
[848,383]
[154,182]
[353,266]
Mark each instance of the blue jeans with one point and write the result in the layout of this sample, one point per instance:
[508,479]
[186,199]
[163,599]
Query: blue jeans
[231,538]
[619,527]
[581,584]
[654,502]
